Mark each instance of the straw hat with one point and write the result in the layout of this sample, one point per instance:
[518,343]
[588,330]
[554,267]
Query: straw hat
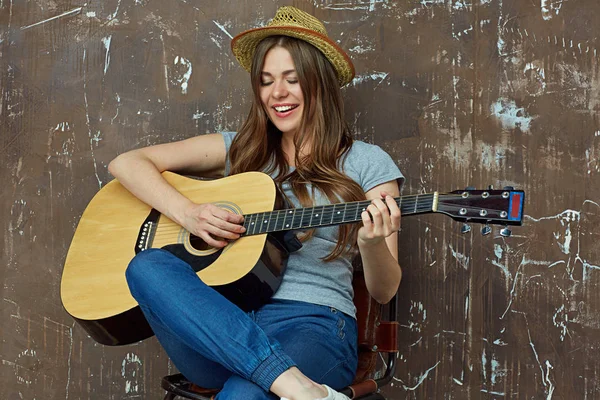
[290,21]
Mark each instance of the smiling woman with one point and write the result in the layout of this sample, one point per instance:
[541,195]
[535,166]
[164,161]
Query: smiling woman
[281,94]
[303,341]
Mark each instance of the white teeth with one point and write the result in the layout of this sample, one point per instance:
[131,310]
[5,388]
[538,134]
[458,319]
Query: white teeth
[283,108]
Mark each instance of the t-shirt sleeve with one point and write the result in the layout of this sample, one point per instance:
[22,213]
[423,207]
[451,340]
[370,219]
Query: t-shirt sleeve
[373,166]
[228,138]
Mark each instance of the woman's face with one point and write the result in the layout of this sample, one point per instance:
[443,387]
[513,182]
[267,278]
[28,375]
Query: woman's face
[280,90]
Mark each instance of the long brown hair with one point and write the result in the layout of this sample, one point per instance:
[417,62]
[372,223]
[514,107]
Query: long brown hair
[257,146]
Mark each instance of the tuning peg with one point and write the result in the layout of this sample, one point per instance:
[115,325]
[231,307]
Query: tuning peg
[491,187]
[509,188]
[465,229]
[486,230]
[505,232]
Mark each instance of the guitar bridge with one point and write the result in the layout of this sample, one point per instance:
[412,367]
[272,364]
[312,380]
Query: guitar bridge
[147,232]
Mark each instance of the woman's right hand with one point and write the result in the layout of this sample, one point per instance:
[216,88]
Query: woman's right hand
[212,224]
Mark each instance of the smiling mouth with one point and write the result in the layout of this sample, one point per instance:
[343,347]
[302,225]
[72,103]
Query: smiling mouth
[284,109]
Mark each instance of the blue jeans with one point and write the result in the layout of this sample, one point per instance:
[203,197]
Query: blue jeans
[215,344]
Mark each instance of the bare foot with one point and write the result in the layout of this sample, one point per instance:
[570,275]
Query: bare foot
[294,385]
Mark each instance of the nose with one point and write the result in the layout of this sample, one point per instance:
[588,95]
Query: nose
[279,89]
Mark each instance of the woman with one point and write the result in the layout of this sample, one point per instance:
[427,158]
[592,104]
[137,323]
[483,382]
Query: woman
[304,340]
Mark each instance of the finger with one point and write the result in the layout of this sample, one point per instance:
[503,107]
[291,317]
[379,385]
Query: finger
[383,208]
[226,220]
[222,233]
[366,220]
[377,217]
[394,211]
[209,240]
[227,226]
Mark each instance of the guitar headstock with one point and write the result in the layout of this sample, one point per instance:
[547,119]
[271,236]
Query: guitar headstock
[497,207]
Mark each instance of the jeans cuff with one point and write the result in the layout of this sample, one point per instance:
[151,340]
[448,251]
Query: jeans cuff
[271,367]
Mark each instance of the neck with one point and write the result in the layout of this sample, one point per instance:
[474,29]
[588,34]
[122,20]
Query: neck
[331,214]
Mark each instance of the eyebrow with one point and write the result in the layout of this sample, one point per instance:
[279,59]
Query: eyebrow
[286,72]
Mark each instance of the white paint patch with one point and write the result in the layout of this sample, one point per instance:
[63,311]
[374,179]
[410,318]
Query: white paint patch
[537,74]
[547,381]
[354,6]
[129,370]
[428,3]
[418,316]
[216,39]
[495,372]
[461,258]
[564,238]
[90,14]
[560,320]
[550,8]
[22,365]
[199,115]
[183,81]
[221,27]
[498,251]
[118,106]
[113,15]
[360,79]
[421,378]
[361,50]
[63,127]
[511,116]
[106,41]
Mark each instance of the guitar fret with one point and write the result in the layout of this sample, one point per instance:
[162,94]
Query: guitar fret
[318,214]
[252,224]
[264,223]
[290,224]
[258,223]
[269,218]
[257,219]
[275,216]
[416,202]
[279,220]
[298,217]
[335,213]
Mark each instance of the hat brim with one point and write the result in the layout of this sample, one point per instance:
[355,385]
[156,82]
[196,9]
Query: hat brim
[244,45]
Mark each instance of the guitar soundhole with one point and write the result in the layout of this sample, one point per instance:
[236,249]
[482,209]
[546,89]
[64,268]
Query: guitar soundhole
[199,244]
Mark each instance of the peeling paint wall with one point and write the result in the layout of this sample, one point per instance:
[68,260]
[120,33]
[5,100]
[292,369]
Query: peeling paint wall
[460,93]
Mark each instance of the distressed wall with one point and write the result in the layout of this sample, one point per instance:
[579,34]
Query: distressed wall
[500,92]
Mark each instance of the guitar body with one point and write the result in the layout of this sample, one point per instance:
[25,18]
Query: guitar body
[93,286]
[116,226]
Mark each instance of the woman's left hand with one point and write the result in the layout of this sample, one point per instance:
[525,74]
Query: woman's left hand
[380,220]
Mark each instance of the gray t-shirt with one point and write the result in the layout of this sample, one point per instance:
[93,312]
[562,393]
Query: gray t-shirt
[308,278]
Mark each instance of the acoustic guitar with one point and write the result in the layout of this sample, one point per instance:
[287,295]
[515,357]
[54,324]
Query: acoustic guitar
[116,226]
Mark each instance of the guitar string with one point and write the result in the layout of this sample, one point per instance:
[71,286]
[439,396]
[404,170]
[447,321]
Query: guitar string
[325,215]
[328,214]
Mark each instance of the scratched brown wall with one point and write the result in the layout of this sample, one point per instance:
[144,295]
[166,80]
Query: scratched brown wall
[501,92]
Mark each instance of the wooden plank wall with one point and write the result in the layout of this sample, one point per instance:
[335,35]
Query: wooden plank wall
[483,92]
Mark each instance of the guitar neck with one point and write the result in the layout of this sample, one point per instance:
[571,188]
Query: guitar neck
[331,214]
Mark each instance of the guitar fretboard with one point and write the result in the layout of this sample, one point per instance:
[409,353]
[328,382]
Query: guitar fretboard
[331,214]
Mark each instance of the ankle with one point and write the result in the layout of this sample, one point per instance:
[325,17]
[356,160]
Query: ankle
[294,385]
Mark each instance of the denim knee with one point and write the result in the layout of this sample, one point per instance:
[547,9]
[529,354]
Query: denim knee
[144,270]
